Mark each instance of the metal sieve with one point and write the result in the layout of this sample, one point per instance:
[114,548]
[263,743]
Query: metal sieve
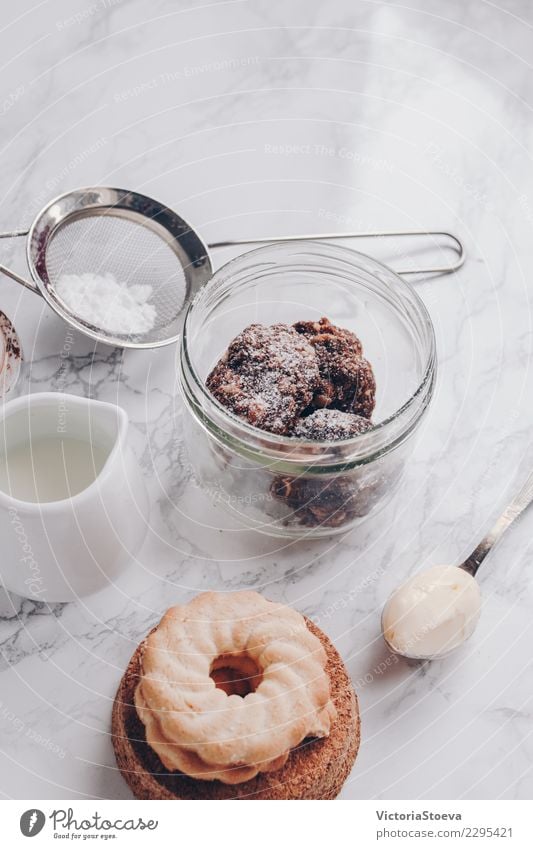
[132,239]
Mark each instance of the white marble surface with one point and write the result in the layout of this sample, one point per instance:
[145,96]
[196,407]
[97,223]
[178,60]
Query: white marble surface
[409,115]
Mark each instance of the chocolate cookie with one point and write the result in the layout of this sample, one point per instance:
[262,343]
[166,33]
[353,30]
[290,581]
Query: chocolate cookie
[346,377]
[318,501]
[268,376]
[331,425]
[326,502]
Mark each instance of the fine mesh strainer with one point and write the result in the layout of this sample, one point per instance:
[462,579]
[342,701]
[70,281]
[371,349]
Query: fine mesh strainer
[129,242]
[121,235]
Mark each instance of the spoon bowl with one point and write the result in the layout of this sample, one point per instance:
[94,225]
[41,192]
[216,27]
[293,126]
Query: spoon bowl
[432,613]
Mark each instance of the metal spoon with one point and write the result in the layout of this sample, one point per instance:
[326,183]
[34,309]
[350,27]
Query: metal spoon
[433,613]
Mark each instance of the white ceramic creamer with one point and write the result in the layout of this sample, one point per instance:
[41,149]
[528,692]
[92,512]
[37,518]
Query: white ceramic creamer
[73,502]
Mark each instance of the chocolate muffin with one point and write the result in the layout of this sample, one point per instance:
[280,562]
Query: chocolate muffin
[309,381]
[331,425]
[320,501]
[268,376]
[346,377]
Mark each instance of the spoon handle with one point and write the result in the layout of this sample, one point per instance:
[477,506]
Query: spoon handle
[512,512]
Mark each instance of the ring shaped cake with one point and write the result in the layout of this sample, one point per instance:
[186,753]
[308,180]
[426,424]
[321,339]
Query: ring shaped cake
[200,724]
[314,769]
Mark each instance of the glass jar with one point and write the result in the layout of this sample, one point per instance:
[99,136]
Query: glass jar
[282,485]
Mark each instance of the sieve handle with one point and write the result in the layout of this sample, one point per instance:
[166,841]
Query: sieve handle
[12,234]
[435,235]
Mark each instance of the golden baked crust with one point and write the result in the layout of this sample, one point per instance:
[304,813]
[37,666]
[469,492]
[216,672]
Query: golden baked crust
[317,769]
[201,730]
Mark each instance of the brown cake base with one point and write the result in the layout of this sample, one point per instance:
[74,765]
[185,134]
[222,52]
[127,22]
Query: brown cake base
[316,769]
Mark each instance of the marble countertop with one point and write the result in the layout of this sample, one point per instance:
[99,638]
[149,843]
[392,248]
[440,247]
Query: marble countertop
[254,118]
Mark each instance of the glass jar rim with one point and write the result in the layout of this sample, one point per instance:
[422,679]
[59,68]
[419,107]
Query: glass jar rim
[315,451]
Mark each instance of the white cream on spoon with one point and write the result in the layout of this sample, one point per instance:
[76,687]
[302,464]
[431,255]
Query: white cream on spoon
[434,612]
